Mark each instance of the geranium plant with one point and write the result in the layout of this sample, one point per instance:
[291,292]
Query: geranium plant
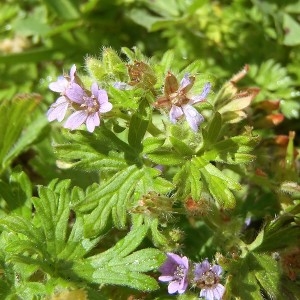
[176,166]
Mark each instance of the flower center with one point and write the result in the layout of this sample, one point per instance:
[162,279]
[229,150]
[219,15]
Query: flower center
[179,273]
[178,98]
[91,105]
[207,280]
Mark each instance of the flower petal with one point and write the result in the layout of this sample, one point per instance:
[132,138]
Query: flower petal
[192,116]
[76,119]
[122,86]
[185,81]
[203,95]
[58,109]
[72,73]
[60,85]
[165,278]
[219,291]
[95,89]
[207,294]
[173,287]
[102,97]
[175,113]
[183,286]
[217,269]
[105,107]
[201,268]
[75,93]
[92,121]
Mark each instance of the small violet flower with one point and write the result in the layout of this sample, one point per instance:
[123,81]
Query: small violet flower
[207,278]
[122,86]
[176,98]
[175,271]
[58,109]
[88,106]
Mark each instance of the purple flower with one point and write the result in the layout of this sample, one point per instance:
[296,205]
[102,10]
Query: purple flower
[207,278]
[180,103]
[175,271]
[122,86]
[58,109]
[88,106]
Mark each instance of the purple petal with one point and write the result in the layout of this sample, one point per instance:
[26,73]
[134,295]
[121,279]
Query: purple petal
[72,73]
[207,294]
[60,85]
[185,81]
[217,269]
[58,109]
[201,268]
[185,262]
[192,116]
[183,286]
[203,95]
[175,113]
[205,265]
[219,291]
[105,107]
[76,119]
[175,258]
[122,85]
[75,93]
[173,287]
[92,121]
[165,278]
[102,97]
[95,89]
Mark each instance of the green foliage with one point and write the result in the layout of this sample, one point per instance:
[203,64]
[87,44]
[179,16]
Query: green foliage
[53,243]
[82,212]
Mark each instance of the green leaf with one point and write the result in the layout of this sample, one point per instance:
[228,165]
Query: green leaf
[219,185]
[292,28]
[20,225]
[181,147]
[115,266]
[110,197]
[12,115]
[138,125]
[195,183]
[17,193]
[150,22]
[167,60]
[213,129]
[277,234]
[151,144]
[268,275]
[53,212]
[233,150]
[166,157]
[65,9]
[243,283]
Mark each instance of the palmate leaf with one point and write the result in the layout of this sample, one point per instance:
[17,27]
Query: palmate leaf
[199,173]
[49,234]
[235,150]
[113,196]
[85,157]
[118,266]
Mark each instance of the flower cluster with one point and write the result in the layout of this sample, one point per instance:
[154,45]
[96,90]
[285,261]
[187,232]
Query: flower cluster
[86,106]
[176,271]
